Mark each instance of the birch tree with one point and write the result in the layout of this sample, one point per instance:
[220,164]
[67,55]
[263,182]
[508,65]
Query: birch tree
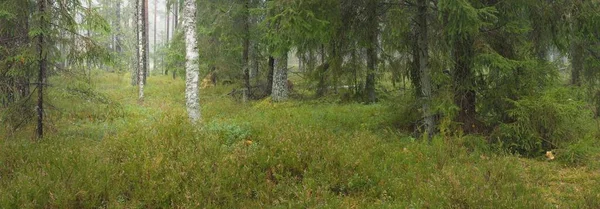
[141,48]
[280,74]
[191,61]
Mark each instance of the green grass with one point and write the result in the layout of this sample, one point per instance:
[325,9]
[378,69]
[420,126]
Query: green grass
[111,151]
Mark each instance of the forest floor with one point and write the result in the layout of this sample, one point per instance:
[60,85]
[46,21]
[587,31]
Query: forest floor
[104,149]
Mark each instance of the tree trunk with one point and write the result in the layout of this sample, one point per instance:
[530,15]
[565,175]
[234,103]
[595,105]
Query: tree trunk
[118,47]
[191,62]
[135,75]
[167,16]
[371,51]
[41,79]
[280,87]
[425,72]
[270,75]
[142,46]
[146,39]
[176,16]
[577,61]
[253,74]
[246,45]
[464,93]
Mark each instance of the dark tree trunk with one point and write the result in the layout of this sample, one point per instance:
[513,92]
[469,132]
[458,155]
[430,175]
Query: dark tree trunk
[425,72]
[464,86]
[270,75]
[371,51]
[415,76]
[136,71]
[42,71]
[246,45]
[577,61]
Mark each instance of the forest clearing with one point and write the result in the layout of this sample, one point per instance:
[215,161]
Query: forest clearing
[299,104]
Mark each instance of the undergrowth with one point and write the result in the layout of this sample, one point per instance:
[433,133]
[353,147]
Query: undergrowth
[114,152]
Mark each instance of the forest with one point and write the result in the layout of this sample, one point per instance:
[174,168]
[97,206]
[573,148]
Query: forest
[299,103]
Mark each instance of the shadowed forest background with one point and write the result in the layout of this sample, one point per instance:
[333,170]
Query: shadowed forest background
[299,104]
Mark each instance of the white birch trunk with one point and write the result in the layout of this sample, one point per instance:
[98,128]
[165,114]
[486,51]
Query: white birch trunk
[191,61]
[280,88]
[141,51]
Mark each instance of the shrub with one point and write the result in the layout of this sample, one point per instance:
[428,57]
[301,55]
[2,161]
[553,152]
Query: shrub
[541,123]
[228,132]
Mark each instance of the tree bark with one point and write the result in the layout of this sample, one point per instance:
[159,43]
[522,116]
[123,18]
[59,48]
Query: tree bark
[167,16]
[577,62]
[142,52]
[43,64]
[425,72]
[191,64]
[118,47]
[146,43]
[270,75]
[246,44]
[280,87]
[371,51]
[135,75]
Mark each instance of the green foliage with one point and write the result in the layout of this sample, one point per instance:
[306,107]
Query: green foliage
[301,155]
[553,120]
[463,19]
[175,53]
[229,133]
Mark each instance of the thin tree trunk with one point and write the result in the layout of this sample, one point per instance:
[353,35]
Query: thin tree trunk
[136,74]
[168,16]
[154,41]
[191,62]
[176,17]
[118,29]
[142,52]
[42,71]
[425,72]
[246,44]
[146,39]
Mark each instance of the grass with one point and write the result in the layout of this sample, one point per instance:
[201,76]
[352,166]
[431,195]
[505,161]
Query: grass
[104,149]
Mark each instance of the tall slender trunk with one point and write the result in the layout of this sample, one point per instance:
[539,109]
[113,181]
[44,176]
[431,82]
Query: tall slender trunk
[280,88]
[118,47]
[41,79]
[425,72]
[191,62]
[246,44]
[146,39]
[167,16]
[142,52]
[371,51]
[135,75]
[89,35]
[176,17]
[154,41]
